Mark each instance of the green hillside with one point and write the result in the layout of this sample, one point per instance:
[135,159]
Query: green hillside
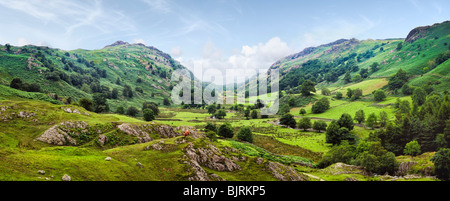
[81,73]
[366,110]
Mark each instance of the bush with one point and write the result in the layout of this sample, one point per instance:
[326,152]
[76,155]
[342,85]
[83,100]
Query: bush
[220,114]
[288,120]
[149,115]
[211,127]
[320,125]
[211,135]
[304,123]
[132,111]
[321,106]
[225,130]
[412,148]
[152,106]
[120,110]
[338,95]
[245,134]
[379,95]
[441,162]
[86,104]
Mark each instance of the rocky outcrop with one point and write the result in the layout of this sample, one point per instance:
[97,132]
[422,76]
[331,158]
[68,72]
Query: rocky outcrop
[62,134]
[210,157]
[139,132]
[284,173]
[417,33]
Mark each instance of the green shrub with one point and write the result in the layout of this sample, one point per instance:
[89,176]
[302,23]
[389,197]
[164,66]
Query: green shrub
[412,148]
[225,130]
[148,115]
[245,134]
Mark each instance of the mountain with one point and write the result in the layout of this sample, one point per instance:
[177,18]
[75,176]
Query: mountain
[422,54]
[68,76]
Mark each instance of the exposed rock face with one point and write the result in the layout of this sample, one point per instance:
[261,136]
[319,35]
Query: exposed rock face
[417,33]
[210,157]
[102,139]
[284,173]
[137,131]
[59,134]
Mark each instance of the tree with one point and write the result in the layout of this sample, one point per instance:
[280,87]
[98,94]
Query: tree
[364,72]
[374,67]
[371,120]
[379,95]
[407,90]
[412,148]
[132,111]
[357,78]
[302,111]
[288,120]
[383,118]
[320,125]
[357,93]
[211,127]
[441,162]
[166,102]
[115,93]
[398,80]
[8,48]
[212,109]
[225,130]
[152,106]
[245,134]
[332,133]
[247,113]
[86,104]
[349,93]
[360,116]
[419,96]
[304,123]
[148,115]
[254,114]
[320,106]
[127,91]
[16,83]
[120,110]
[307,87]
[346,121]
[347,77]
[284,109]
[325,91]
[336,134]
[118,81]
[399,46]
[220,114]
[100,104]
[338,95]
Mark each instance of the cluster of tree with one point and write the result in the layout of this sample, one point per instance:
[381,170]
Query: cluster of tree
[17,83]
[354,94]
[149,110]
[340,130]
[98,104]
[372,120]
[216,111]
[369,154]
[428,124]
[227,131]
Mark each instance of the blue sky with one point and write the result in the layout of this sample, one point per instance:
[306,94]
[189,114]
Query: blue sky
[213,33]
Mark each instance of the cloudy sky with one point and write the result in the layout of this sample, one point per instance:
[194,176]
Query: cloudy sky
[213,33]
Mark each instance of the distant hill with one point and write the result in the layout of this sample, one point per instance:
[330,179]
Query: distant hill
[422,54]
[71,75]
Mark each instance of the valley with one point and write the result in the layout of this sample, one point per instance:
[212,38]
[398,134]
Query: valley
[107,115]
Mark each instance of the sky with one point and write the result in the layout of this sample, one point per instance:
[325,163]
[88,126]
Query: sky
[214,34]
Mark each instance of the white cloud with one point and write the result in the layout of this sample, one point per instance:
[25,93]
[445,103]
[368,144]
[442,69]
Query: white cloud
[250,59]
[139,40]
[68,19]
[176,52]
[23,42]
